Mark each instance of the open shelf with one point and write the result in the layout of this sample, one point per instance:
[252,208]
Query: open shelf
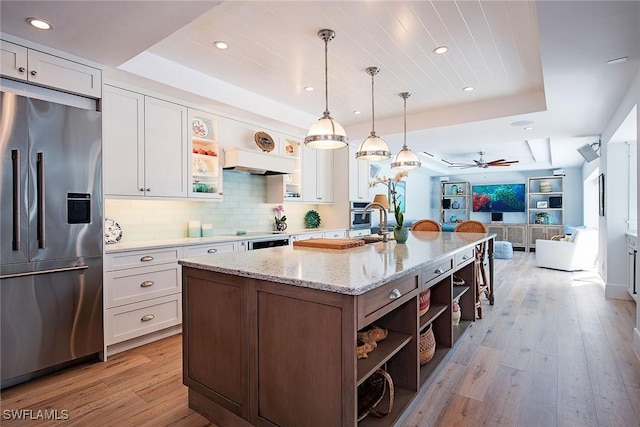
[459,290]
[432,314]
[460,329]
[426,370]
[402,398]
[385,350]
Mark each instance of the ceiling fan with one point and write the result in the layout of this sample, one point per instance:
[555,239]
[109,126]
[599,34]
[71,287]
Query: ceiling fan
[482,163]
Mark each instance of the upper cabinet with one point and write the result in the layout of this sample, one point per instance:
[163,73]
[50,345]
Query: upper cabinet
[21,63]
[205,172]
[145,145]
[358,177]
[317,175]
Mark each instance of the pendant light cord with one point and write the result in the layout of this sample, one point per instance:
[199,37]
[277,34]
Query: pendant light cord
[326,78]
[373,110]
[404,143]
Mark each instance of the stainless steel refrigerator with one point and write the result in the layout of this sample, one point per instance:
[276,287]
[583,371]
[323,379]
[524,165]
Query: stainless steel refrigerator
[51,233]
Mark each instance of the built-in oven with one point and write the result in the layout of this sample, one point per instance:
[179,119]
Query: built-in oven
[268,242]
[356,220]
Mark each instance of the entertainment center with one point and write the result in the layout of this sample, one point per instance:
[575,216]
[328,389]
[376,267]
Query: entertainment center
[540,202]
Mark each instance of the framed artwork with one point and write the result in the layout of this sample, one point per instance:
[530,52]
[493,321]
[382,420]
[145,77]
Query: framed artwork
[401,189]
[601,193]
[542,205]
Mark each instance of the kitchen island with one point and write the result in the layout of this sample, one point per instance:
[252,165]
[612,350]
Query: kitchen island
[269,337]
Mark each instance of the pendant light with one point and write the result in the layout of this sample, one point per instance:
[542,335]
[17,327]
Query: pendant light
[373,148]
[406,159]
[326,133]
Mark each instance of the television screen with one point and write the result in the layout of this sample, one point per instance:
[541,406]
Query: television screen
[499,198]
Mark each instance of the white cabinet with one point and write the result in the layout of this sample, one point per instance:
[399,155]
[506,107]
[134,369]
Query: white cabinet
[145,145]
[514,233]
[142,293]
[205,172]
[359,233]
[21,63]
[317,175]
[335,234]
[212,248]
[358,177]
[307,236]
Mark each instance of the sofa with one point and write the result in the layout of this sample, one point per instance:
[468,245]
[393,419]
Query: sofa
[575,252]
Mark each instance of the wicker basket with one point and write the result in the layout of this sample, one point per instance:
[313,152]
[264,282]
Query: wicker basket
[425,302]
[371,393]
[427,345]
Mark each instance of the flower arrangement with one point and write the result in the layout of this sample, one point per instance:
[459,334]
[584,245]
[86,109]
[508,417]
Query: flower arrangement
[280,218]
[392,183]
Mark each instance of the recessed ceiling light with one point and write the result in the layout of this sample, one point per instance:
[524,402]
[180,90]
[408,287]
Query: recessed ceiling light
[522,123]
[529,128]
[440,50]
[468,88]
[308,88]
[617,60]
[221,45]
[40,24]
[357,112]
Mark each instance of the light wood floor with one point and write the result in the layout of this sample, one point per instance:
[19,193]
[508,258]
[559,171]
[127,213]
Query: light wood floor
[552,351]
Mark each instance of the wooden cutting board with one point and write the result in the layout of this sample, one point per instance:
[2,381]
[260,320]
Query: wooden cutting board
[329,243]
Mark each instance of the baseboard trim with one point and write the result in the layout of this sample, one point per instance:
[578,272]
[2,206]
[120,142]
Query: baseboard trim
[145,339]
[615,291]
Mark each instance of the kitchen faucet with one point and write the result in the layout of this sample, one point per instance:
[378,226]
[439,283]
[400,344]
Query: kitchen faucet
[383,224]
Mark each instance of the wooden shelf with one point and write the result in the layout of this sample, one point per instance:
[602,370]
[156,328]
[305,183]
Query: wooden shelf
[402,398]
[458,291]
[426,370]
[432,314]
[460,329]
[385,350]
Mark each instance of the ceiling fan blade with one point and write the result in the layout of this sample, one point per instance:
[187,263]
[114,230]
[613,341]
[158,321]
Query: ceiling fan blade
[496,161]
[462,165]
[504,163]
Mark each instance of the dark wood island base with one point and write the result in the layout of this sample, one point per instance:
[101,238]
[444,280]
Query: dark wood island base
[268,353]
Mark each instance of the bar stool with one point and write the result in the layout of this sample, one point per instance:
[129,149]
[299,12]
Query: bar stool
[426,225]
[482,284]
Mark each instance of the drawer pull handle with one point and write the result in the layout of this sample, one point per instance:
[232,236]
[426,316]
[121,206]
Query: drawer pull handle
[439,270]
[147,283]
[34,73]
[147,317]
[21,69]
[465,257]
[212,250]
[146,258]
[395,294]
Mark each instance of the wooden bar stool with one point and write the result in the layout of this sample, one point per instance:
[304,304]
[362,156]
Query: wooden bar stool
[426,225]
[482,284]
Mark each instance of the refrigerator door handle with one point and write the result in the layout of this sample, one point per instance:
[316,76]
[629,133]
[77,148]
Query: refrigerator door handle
[53,270]
[41,207]
[15,159]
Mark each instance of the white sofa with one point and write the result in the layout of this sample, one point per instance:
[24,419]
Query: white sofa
[579,252]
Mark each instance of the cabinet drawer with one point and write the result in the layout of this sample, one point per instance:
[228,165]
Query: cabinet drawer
[464,257]
[139,284]
[191,251]
[335,234]
[120,260]
[133,320]
[437,269]
[307,236]
[388,296]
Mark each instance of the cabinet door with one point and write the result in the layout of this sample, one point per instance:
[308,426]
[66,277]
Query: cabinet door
[165,148]
[498,230]
[317,176]
[123,142]
[516,234]
[14,60]
[358,177]
[49,70]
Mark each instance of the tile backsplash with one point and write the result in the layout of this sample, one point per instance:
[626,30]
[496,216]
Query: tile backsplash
[243,208]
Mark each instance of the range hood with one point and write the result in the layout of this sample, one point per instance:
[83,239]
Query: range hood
[257,162]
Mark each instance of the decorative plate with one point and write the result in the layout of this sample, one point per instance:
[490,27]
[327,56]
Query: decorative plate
[312,219]
[199,128]
[112,231]
[264,141]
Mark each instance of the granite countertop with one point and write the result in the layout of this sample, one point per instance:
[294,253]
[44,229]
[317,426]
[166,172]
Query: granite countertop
[186,241]
[351,271]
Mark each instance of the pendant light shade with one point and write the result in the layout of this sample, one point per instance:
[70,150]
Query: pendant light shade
[405,159]
[373,148]
[326,133]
